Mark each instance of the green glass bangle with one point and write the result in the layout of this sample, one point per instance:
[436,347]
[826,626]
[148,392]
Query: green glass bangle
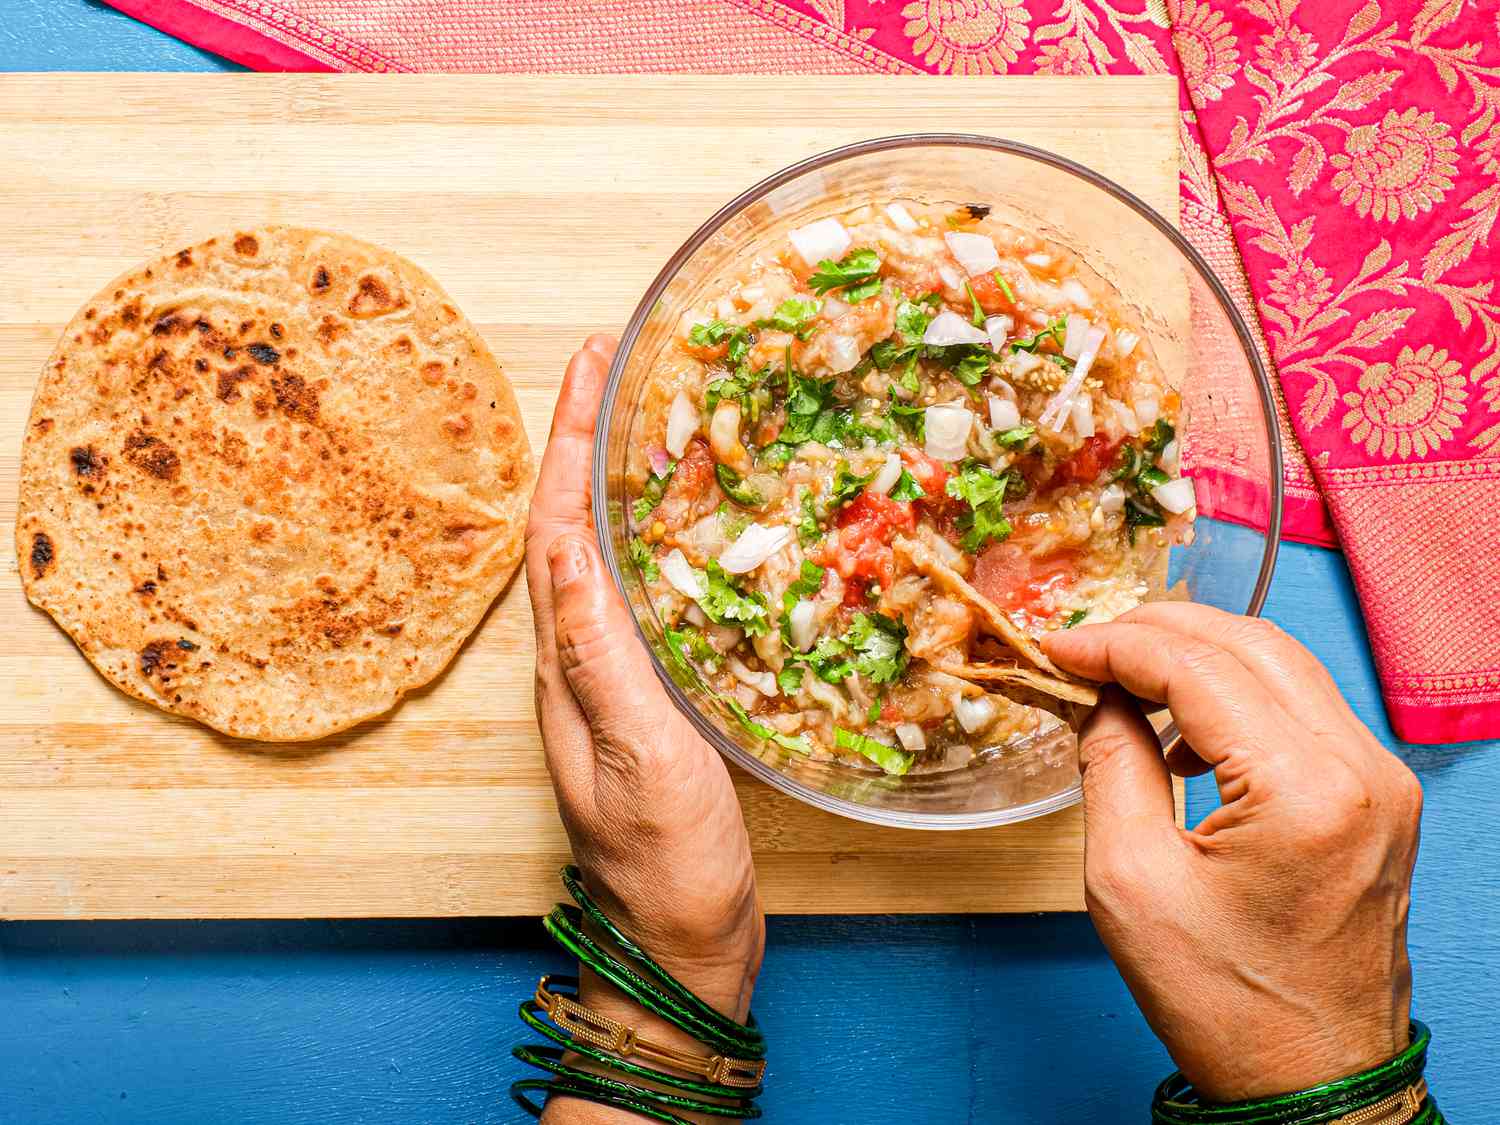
[747,1034]
[533,1017]
[566,932]
[551,1058]
[560,1086]
[1177,1103]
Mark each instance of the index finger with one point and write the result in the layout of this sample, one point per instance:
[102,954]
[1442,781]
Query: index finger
[561,501]
[1218,705]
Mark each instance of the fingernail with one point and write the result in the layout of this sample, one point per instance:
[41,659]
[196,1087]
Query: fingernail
[567,560]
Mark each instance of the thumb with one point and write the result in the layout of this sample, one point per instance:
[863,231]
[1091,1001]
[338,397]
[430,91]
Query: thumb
[604,662]
[1127,789]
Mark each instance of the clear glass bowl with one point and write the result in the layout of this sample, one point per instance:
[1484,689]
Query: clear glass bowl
[1200,339]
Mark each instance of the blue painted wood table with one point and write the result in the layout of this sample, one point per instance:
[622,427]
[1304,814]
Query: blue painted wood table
[875,1020]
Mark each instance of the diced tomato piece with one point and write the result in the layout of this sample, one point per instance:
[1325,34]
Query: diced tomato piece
[930,475]
[1008,575]
[991,297]
[856,591]
[873,515]
[1084,466]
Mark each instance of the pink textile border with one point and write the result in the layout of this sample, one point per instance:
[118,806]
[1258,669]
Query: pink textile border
[221,36]
[1429,724]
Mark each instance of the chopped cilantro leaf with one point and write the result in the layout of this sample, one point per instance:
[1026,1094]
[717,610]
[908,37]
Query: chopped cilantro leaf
[888,758]
[856,266]
[909,379]
[794,315]
[726,604]
[640,554]
[716,332]
[907,488]
[912,320]
[863,291]
[651,493]
[760,730]
[1010,294]
[1075,618]
[913,419]
[985,492]
[846,485]
[976,315]
[1016,437]
[691,645]
[1057,332]
[808,529]
[789,679]
[828,659]
[878,642]
[736,489]
[873,714]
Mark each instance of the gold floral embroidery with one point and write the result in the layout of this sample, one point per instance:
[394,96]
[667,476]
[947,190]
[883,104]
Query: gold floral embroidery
[1287,53]
[967,36]
[1069,55]
[1409,407]
[1402,166]
[1206,45]
[1301,287]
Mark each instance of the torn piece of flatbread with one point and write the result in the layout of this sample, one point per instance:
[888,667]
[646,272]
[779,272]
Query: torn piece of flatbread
[1017,676]
[922,557]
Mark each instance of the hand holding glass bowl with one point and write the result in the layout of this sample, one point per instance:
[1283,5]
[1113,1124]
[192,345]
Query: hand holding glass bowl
[1126,251]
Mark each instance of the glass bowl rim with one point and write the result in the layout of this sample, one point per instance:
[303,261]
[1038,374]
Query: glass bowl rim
[902,818]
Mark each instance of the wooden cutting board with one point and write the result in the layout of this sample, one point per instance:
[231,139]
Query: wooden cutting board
[544,206]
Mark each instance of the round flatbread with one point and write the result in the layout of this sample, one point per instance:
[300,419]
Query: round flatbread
[272,482]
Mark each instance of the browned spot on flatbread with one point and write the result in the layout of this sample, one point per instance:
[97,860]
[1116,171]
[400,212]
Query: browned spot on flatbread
[87,462]
[374,295]
[42,554]
[246,245]
[263,354]
[228,383]
[150,454]
[295,398]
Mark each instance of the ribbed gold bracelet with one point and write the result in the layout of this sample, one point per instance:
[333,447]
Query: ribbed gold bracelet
[595,1028]
[1398,1109]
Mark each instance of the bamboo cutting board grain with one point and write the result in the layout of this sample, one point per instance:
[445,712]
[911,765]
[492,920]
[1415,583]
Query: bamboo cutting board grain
[544,206]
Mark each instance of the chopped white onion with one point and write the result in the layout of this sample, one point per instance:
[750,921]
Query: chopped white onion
[695,616]
[901,217]
[825,238]
[1076,293]
[1040,261]
[1056,413]
[889,474]
[911,736]
[658,459]
[950,277]
[1176,496]
[682,424]
[1170,458]
[680,573]
[997,328]
[763,682]
[1112,497]
[1004,415]
[826,694]
[1001,388]
[843,354]
[948,428]
[755,545]
[976,253]
[833,308]
[1083,416]
[1078,329]
[973,714]
[1125,416]
[1125,342]
[802,623]
[949,328]
[1147,404]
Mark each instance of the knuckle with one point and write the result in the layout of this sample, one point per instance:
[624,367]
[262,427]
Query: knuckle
[1103,746]
[1199,658]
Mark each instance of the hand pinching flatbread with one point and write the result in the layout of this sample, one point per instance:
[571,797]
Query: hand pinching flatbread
[272,482]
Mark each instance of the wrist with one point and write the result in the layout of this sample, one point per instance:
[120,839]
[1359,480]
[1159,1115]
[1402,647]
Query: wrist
[1295,1062]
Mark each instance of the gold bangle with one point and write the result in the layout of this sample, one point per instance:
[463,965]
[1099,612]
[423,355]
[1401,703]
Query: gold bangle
[1397,1109]
[599,1030]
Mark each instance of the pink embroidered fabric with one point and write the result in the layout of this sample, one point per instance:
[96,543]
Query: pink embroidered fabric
[1340,172]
